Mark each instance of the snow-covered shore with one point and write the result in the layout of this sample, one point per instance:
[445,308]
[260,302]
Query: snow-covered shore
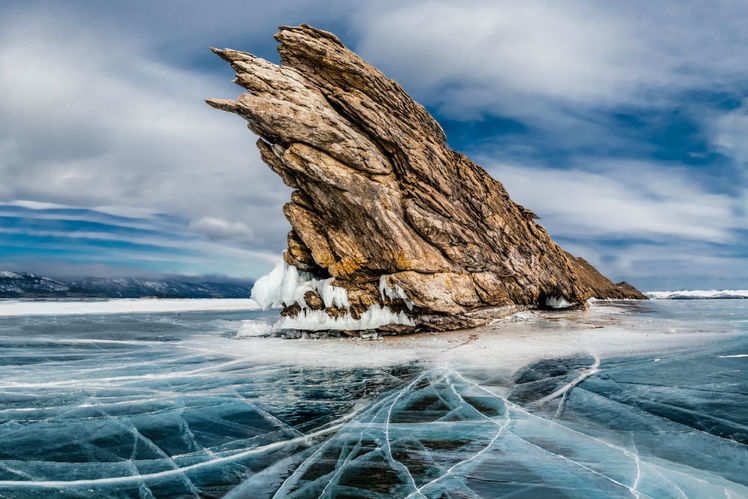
[10,308]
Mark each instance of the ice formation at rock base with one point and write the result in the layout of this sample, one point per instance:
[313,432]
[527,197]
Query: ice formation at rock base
[393,293]
[286,285]
[558,302]
[374,317]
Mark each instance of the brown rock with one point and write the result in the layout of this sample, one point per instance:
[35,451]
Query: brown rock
[298,254]
[379,193]
[601,286]
[291,310]
[313,301]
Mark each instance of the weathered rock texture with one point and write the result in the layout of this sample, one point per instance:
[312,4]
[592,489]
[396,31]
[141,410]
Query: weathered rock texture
[601,286]
[379,193]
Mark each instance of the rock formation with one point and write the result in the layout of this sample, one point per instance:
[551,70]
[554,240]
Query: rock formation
[383,208]
[602,287]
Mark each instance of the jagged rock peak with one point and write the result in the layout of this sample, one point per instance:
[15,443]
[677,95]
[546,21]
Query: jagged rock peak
[382,206]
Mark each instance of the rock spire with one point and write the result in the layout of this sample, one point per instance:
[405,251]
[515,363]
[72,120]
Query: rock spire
[383,208]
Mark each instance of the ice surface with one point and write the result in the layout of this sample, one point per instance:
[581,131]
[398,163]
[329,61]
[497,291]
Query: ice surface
[253,327]
[449,434]
[521,316]
[698,294]
[599,403]
[10,308]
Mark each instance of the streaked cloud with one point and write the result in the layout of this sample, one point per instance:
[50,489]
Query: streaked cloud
[118,131]
[219,229]
[75,242]
[624,199]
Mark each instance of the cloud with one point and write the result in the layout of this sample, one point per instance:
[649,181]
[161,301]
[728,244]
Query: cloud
[730,133]
[39,238]
[517,58]
[621,198]
[543,49]
[675,264]
[219,229]
[94,121]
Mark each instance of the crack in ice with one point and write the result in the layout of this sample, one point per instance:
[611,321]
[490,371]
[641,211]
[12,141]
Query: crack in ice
[387,446]
[499,432]
[338,423]
[593,369]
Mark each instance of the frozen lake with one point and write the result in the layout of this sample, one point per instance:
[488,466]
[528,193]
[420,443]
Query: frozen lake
[625,400]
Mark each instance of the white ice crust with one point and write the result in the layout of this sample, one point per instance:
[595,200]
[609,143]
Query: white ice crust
[285,284]
[557,302]
[698,293]
[250,328]
[9,308]
[393,293]
[375,316]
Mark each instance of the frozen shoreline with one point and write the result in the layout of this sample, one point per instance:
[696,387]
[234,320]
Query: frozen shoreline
[15,308]
[606,330]
[698,294]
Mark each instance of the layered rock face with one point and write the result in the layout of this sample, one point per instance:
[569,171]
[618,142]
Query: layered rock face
[382,207]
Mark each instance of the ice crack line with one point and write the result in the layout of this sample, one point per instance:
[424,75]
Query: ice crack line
[340,468]
[635,485]
[387,446]
[294,478]
[633,455]
[171,472]
[499,432]
[593,369]
[580,465]
[268,416]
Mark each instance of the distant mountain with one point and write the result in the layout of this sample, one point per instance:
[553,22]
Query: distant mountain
[29,285]
[20,284]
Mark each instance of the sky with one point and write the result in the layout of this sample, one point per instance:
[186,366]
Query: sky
[623,125]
